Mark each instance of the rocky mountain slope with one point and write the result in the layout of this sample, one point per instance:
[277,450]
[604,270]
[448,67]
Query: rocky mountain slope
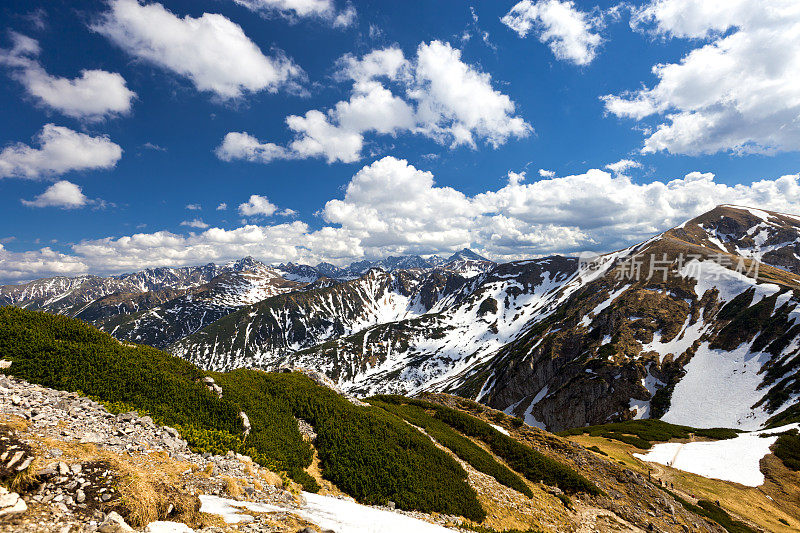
[174,318]
[698,338]
[161,306]
[265,334]
[771,238]
[156,306]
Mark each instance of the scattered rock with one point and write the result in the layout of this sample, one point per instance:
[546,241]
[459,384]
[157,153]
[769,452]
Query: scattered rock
[11,503]
[209,382]
[245,423]
[114,523]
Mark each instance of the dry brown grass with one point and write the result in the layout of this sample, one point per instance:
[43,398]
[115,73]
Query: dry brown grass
[17,423]
[272,478]
[326,487]
[233,487]
[27,477]
[148,484]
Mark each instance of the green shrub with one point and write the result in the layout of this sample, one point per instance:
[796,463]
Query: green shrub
[464,448]
[565,500]
[533,465]
[66,354]
[721,517]
[597,450]
[715,513]
[787,449]
[367,452]
[642,433]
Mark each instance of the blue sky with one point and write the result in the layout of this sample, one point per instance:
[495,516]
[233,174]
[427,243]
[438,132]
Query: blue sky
[552,81]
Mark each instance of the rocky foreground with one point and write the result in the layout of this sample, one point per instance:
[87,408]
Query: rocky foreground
[76,467]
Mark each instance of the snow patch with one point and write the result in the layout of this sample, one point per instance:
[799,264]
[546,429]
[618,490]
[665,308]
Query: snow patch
[501,430]
[585,321]
[161,526]
[734,459]
[652,384]
[342,516]
[719,389]
[729,283]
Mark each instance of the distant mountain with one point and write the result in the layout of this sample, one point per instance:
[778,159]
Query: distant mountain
[465,254]
[66,295]
[171,320]
[468,263]
[464,262]
[154,306]
[267,333]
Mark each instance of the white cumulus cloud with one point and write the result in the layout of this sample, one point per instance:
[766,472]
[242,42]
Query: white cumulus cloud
[434,94]
[61,194]
[257,206]
[93,95]
[18,266]
[195,223]
[211,51]
[570,33]
[321,9]
[622,165]
[390,207]
[736,91]
[60,150]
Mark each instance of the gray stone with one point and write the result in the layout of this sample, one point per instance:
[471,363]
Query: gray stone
[114,523]
[11,503]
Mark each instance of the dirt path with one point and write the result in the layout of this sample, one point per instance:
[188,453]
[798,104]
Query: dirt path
[660,473]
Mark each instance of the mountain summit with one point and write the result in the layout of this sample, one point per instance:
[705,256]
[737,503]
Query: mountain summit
[465,254]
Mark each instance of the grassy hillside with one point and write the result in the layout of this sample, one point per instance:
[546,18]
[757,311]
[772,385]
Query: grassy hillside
[367,452]
[464,448]
[67,354]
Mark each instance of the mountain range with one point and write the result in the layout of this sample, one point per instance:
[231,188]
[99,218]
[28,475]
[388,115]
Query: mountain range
[697,325]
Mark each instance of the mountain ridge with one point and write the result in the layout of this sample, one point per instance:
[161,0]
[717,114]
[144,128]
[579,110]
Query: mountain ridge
[559,341]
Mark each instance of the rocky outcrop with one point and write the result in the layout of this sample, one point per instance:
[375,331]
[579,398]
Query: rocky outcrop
[209,382]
